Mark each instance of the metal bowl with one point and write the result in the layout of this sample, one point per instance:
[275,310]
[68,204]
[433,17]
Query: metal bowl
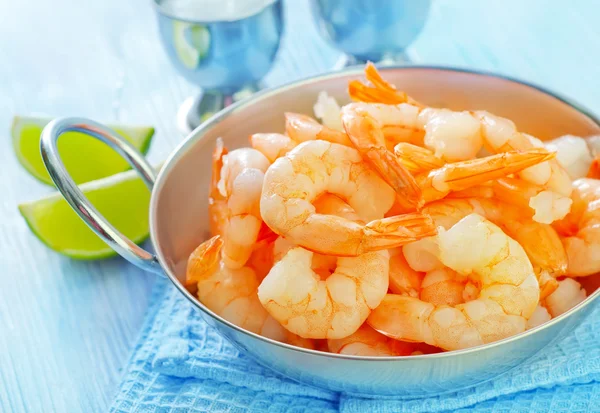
[178,221]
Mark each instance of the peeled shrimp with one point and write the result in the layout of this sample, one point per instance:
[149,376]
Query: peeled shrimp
[467,179]
[594,171]
[540,241]
[508,297]
[295,181]
[367,342]
[363,125]
[240,185]
[272,145]
[301,128]
[444,286]
[328,111]
[231,293]
[573,154]
[296,296]
[403,279]
[457,176]
[581,229]
[568,294]
[540,316]
[217,204]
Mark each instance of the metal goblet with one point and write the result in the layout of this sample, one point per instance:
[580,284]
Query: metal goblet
[365,30]
[225,52]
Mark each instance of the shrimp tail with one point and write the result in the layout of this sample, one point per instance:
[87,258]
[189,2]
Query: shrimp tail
[203,259]
[396,231]
[594,171]
[417,159]
[367,137]
[399,178]
[462,175]
[380,92]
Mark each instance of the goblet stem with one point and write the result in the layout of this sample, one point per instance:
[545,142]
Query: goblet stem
[196,109]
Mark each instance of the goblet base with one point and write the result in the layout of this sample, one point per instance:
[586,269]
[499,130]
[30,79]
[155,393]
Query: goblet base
[196,109]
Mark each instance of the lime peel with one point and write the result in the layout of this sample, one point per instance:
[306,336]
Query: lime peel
[85,158]
[123,199]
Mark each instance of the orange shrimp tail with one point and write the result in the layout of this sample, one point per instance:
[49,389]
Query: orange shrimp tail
[381,91]
[396,231]
[401,180]
[417,159]
[462,175]
[594,171]
[266,234]
[203,259]
[367,137]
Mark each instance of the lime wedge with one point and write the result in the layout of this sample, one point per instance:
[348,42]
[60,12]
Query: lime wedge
[85,158]
[191,42]
[122,199]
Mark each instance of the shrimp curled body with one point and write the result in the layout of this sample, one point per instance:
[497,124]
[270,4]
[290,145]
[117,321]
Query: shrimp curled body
[509,292]
[314,168]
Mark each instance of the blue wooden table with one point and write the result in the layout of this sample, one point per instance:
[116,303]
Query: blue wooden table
[67,327]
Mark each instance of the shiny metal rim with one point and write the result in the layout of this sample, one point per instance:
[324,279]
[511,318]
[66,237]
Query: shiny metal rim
[198,135]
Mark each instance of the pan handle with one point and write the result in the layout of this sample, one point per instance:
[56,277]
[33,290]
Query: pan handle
[73,195]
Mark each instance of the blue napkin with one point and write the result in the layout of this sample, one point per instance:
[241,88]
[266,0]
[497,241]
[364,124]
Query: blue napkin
[182,365]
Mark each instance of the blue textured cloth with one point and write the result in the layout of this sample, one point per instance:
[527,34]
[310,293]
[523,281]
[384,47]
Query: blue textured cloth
[180,365]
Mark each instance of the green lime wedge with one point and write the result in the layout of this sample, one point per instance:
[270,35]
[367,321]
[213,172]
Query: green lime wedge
[86,158]
[122,199]
[191,42]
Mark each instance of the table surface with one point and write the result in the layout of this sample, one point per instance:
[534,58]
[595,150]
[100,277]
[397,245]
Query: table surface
[67,327]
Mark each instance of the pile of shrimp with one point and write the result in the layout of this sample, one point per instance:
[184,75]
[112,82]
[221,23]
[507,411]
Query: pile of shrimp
[390,228]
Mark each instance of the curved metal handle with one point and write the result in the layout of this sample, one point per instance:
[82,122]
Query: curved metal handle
[86,211]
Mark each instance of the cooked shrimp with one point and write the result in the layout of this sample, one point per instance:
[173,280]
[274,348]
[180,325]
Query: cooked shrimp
[581,229]
[509,292]
[542,205]
[443,286]
[417,159]
[593,143]
[230,293]
[546,206]
[240,185]
[439,284]
[272,145]
[573,154]
[540,316]
[296,340]
[422,255]
[261,260]
[568,294]
[540,241]
[594,171]
[310,307]
[403,279]
[327,304]
[217,204]
[302,128]
[366,133]
[501,135]
[295,181]
[458,176]
[380,92]
[367,342]
[328,111]
[456,136]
